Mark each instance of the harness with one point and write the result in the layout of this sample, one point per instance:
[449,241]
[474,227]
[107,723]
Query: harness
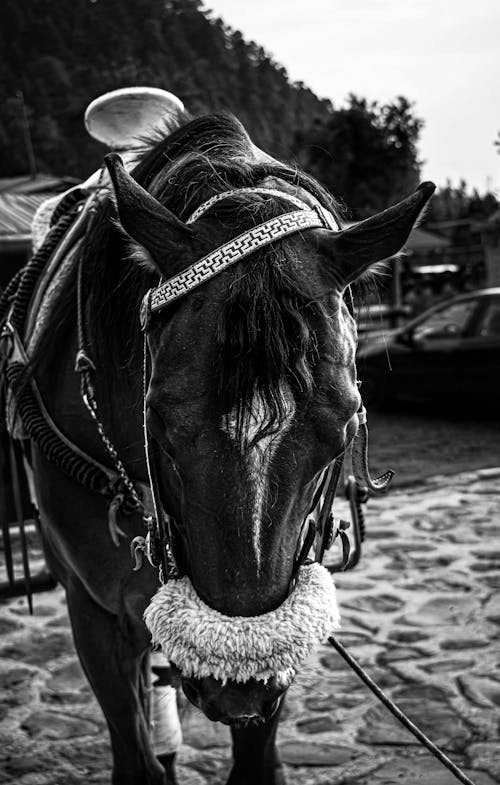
[321,528]
[28,418]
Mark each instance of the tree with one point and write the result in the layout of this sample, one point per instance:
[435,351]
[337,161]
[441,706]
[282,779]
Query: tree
[97,45]
[456,208]
[365,153]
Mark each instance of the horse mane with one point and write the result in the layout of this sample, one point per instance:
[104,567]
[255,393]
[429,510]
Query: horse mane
[267,327]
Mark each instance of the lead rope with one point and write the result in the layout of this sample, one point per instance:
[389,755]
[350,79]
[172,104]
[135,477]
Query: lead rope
[400,715]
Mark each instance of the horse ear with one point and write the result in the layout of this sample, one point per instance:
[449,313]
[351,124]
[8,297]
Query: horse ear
[379,237]
[143,217]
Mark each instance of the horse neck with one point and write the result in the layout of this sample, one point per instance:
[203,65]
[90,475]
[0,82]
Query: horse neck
[119,395]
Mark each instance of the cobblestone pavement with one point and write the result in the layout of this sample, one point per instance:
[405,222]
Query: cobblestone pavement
[421,612]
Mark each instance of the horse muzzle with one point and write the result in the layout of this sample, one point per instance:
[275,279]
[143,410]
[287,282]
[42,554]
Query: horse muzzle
[234,703]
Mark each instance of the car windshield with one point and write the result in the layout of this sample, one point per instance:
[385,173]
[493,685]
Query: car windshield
[449,321]
[490,323]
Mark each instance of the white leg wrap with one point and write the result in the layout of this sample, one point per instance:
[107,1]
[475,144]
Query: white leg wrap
[165,726]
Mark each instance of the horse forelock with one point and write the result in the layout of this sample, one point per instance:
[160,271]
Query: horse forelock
[267,341]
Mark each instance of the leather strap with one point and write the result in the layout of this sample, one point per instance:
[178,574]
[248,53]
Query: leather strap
[203,208]
[228,254]
[15,455]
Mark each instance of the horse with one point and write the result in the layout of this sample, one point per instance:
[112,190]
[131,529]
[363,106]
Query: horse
[244,387]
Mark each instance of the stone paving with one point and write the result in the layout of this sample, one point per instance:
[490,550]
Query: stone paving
[421,612]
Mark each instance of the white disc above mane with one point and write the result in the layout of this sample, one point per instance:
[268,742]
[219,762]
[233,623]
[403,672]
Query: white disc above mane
[122,118]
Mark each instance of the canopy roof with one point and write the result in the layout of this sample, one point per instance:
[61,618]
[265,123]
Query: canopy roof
[20,198]
[422,240]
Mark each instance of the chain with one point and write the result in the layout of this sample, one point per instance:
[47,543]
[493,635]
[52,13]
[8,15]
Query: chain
[85,367]
[88,396]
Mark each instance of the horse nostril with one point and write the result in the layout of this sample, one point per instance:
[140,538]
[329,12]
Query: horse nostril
[269,708]
[212,712]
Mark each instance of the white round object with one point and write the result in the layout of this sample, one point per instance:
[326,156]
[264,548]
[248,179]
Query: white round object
[120,118]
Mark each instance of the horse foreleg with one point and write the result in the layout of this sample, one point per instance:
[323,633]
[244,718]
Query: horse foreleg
[111,654]
[166,728]
[255,755]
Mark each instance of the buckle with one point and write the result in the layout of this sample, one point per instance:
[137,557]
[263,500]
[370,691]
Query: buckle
[83,362]
[6,342]
[326,217]
[145,311]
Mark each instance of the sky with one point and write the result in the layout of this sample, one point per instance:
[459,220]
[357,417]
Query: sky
[444,55]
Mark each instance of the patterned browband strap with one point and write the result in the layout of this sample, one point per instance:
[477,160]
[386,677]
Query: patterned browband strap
[306,217]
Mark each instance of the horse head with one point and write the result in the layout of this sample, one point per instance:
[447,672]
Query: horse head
[252,392]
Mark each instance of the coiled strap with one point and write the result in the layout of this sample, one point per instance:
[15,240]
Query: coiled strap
[47,440]
[360,466]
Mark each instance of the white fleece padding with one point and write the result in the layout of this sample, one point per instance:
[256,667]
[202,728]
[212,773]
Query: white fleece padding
[40,224]
[200,641]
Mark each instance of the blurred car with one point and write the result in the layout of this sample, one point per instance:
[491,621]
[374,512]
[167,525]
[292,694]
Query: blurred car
[451,352]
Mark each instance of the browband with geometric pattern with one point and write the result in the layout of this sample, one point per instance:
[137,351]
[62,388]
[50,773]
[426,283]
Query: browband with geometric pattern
[233,251]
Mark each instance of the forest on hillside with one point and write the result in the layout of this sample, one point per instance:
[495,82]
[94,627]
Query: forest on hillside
[61,57]
[57,57]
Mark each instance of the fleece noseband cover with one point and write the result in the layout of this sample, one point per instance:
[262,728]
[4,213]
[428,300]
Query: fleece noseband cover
[202,642]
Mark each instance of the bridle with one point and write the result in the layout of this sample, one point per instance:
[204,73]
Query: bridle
[320,527]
